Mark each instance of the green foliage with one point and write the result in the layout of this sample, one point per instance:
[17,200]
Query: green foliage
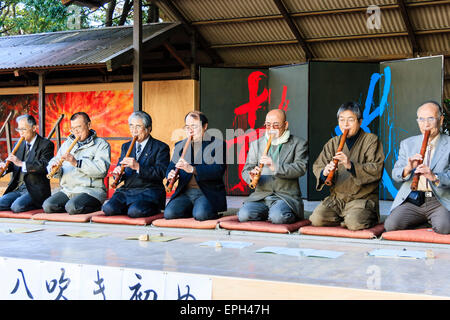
[446,109]
[32,16]
[37,16]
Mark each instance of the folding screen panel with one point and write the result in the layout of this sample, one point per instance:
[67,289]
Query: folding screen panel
[235,102]
[289,91]
[332,84]
[404,86]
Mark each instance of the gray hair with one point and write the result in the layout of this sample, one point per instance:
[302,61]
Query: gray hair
[353,107]
[436,104]
[144,116]
[30,119]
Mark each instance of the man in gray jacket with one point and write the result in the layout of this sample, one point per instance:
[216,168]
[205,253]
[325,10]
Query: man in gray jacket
[83,171]
[431,202]
[277,195]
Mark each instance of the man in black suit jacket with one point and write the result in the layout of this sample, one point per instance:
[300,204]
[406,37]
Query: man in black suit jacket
[201,189]
[143,193]
[29,186]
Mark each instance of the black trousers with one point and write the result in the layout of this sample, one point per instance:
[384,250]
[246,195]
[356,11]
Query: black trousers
[128,203]
[80,204]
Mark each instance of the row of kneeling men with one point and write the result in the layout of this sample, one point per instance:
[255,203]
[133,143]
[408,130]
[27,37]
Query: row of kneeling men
[353,163]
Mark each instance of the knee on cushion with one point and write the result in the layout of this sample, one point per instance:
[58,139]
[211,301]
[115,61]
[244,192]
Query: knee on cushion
[358,221]
[247,214]
[442,227]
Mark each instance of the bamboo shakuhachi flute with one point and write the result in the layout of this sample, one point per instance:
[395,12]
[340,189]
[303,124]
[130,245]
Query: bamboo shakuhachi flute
[415,181]
[13,153]
[122,168]
[330,176]
[58,166]
[256,177]
[172,181]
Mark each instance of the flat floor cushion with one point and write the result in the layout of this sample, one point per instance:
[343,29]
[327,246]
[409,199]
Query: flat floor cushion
[417,235]
[262,226]
[66,217]
[189,223]
[369,233]
[124,219]
[20,215]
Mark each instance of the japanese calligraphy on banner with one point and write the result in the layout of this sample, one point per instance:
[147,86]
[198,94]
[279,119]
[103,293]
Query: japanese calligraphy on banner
[22,279]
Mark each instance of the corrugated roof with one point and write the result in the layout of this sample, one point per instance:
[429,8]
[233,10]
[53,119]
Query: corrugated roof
[68,48]
[255,32]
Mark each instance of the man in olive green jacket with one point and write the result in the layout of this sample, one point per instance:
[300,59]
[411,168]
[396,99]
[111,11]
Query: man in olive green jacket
[353,200]
[277,195]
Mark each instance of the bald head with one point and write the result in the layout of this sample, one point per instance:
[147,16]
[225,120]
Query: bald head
[278,113]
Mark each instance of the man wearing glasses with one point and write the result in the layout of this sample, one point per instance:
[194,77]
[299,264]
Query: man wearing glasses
[277,197]
[431,202]
[143,193]
[353,201]
[201,189]
[83,171]
[29,186]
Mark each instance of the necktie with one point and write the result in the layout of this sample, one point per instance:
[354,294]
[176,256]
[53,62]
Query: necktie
[138,151]
[428,161]
[27,151]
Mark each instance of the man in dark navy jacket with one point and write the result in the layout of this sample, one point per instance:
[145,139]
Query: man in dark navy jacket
[143,193]
[201,189]
[29,186]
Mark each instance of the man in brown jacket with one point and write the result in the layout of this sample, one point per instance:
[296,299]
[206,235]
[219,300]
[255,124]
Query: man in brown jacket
[353,200]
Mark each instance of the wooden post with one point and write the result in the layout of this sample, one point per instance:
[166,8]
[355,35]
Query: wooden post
[137,62]
[41,99]
[194,74]
[8,137]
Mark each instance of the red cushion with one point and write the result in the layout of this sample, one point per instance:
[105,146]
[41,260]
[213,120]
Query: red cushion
[124,219]
[417,235]
[20,215]
[189,223]
[369,233]
[66,217]
[262,226]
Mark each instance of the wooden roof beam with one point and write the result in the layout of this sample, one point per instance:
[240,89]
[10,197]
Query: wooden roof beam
[294,29]
[191,29]
[174,54]
[409,28]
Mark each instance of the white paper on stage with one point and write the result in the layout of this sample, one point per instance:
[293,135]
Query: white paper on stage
[60,281]
[138,284]
[398,253]
[298,252]
[100,283]
[188,287]
[20,279]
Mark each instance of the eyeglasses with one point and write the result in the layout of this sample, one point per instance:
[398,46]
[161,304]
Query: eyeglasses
[429,120]
[21,129]
[347,120]
[274,125]
[77,128]
[132,127]
[192,127]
